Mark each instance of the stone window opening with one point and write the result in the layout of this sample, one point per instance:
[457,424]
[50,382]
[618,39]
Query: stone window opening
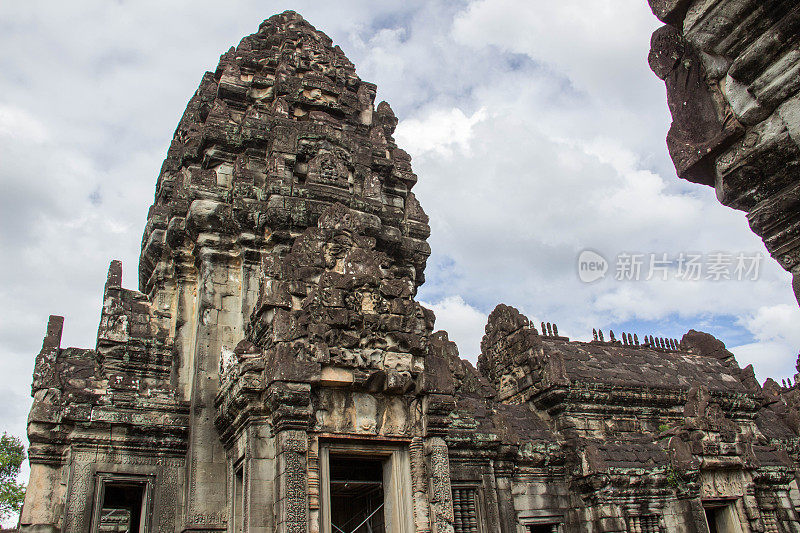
[650,523]
[770,518]
[722,516]
[365,489]
[122,504]
[467,515]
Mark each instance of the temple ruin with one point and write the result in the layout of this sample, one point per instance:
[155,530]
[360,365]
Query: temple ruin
[274,373]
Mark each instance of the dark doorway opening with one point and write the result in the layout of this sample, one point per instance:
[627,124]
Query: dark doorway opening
[238,499]
[711,519]
[722,517]
[356,495]
[121,511]
[543,528]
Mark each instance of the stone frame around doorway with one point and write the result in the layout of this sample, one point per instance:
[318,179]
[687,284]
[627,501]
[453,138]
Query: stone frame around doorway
[398,506]
[726,515]
[105,479]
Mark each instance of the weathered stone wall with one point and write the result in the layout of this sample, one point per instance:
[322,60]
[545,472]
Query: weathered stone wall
[732,72]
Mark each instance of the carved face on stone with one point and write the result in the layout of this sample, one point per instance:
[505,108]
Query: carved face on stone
[327,169]
[335,251]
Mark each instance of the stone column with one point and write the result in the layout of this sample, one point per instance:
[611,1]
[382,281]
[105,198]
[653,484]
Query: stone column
[260,491]
[185,318]
[291,488]
[439,489]
[503,472]
[218,326]
[422,522]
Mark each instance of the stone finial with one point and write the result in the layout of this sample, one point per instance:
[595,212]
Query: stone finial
[114,279]
[624,338]
[594,334]
[44,372]
[549,329]
[386,117]
[544,330]
[555,330]
[600,333]
[55,327]
[635,339]
[611,335]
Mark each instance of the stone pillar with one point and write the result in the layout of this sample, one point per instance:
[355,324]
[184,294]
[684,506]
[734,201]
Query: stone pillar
[422,522]
[184,329]
[505,498]
[314,493]
[44,512]
[439,489]
[291,489]
[260,491]
[218,325]
[609,519]
[696,517]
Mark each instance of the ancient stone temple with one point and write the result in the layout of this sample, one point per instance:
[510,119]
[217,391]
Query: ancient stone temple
[274,373]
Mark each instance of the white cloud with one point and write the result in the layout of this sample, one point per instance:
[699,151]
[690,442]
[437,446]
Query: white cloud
[463,323]
[776,331]
[594,44]
[19,124]
[441,131]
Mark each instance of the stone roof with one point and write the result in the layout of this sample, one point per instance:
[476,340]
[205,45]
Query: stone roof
[614,364]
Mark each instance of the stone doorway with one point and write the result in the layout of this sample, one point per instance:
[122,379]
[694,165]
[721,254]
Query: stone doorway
[122,504]
[356,495]
[722,517]
[365,488]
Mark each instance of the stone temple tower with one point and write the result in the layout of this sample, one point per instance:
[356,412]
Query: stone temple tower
[283,222]
[273,373]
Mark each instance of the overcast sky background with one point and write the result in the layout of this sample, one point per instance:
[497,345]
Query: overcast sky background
[536,128]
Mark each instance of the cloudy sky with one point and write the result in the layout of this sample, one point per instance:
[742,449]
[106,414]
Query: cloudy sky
[537,131]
